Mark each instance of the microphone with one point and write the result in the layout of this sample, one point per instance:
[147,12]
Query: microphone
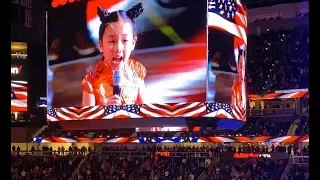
[117,82]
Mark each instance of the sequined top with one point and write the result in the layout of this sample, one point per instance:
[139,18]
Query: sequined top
[99,81]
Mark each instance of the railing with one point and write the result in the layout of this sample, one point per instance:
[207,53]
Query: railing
[202,176]
[76,171]
[266,16]
[40,131]
[271,112]
[189,154]
[124,153]
[19,56]
[45,153]
[301,160]
[289,165]
[102,153]
[292,129]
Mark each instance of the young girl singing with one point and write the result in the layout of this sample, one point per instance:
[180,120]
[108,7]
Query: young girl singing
[117,39]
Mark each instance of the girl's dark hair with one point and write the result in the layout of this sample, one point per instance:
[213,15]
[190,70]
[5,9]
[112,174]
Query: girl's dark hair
[129,16]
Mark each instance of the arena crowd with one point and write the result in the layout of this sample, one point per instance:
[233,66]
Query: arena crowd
[146,162]
[278,61]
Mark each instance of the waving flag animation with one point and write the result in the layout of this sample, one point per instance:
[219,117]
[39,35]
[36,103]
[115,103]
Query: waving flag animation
[230,18]
[19,95]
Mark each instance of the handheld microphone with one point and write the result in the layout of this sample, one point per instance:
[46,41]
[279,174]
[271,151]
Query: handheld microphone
[117,82]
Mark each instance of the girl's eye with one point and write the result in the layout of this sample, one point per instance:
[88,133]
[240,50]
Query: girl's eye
[111,42]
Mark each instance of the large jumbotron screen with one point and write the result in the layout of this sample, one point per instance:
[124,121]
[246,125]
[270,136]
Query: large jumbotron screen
[152,59]
[19,85]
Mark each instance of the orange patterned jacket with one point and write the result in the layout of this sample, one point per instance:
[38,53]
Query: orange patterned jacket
[99,82]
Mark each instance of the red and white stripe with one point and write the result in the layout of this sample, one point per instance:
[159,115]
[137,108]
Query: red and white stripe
[239,28]
[20,89]
[18,105]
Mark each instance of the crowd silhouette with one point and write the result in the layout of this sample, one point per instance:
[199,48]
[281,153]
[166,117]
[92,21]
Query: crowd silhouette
[278,60]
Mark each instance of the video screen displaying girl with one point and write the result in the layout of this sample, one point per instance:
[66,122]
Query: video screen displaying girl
[111,52]
[116,79]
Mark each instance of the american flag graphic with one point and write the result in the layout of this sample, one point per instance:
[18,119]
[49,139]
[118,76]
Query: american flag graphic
[215,139]
[230,18]
[220,110]
[212,107]
[133,108]
[191,109]
[284,95]
[19,96]
[52,113]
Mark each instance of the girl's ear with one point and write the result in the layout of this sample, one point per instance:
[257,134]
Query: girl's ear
[134,42]
[100,46]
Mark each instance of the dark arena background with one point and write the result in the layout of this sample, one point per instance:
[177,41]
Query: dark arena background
[226,84]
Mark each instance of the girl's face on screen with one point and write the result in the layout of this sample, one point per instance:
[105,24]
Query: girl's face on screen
[117,43]
[240,65]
